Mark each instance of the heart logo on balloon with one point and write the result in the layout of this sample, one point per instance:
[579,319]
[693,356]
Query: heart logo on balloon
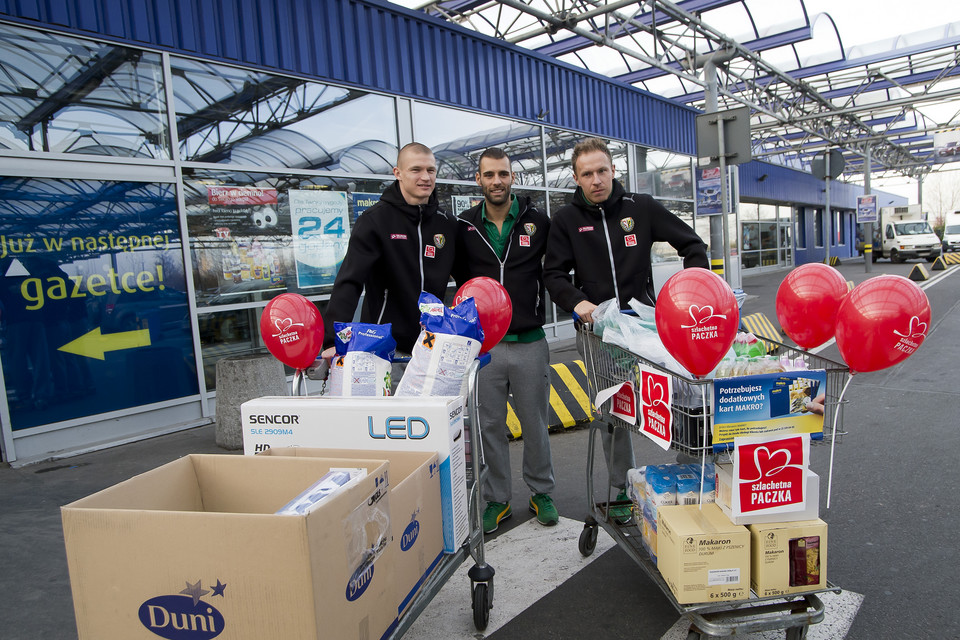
[494,308]
[283,324]
[701,315]
[917,329]
[292,330]
[807,303]
[704,297]
[882,322]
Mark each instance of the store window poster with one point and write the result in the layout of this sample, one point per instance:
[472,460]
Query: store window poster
[321,232]
[239,241]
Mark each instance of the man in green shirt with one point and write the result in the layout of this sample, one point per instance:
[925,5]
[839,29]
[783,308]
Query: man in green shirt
[505,238]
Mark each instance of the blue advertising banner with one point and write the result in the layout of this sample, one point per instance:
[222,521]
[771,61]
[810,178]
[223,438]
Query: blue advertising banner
[93,303]
[769,403]
[360,202]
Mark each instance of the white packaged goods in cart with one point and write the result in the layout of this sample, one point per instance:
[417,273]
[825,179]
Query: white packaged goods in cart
[414,512]
[788,557]
[702,556]
[195,549]
[378,424]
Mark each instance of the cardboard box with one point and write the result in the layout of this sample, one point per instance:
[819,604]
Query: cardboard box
[414,513]
[196,545]
[788,557]
[376,424]
[811,510]
[701,555]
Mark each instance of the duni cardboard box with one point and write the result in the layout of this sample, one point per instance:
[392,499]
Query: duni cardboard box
[788,557]
[376,424]
[194,549]
[702,556]
[810,511]
[414,512]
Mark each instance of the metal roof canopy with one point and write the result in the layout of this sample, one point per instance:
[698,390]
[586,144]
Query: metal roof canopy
[802,100]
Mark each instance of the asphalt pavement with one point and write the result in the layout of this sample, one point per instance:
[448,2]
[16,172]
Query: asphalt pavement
[892,516]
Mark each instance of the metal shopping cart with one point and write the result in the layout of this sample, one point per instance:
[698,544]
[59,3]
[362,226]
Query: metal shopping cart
[609,365]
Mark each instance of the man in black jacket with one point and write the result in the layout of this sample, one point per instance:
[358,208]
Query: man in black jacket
[505,238]
[604,236]
[399,247]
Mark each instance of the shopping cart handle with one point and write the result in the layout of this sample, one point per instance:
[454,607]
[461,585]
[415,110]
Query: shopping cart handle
[484,359]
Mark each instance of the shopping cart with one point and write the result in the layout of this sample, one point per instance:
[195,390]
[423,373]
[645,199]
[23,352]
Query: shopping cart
[609,365]
[480,574]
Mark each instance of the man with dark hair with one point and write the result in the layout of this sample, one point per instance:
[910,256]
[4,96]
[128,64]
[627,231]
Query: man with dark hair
[505,238]
[604,236]
[399,247]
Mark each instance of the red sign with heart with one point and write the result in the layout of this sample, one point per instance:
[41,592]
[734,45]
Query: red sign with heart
[625,403]
[771,474]
[655,408]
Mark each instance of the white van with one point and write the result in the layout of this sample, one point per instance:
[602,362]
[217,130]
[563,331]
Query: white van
[951,232]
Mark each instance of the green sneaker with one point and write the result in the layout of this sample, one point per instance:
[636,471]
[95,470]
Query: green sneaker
[542,505]
[621,514]
[493,514]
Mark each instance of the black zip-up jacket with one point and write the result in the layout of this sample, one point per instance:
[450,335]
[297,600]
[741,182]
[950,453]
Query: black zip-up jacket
[521,269]
[608,246]
[396,250]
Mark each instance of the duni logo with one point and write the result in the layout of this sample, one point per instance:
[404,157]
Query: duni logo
[178,618]
[275,418]
[410,535]
[359,581]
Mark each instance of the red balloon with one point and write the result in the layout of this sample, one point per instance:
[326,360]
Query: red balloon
[807,303]
[882,322]
[697,318]
[292,329]
[493,308]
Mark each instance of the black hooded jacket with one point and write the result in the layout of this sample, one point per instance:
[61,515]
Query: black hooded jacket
[521,269]
[396,250]
[608,246]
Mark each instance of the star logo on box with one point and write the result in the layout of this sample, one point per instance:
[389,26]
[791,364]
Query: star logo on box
[630,240]
[627,224]
[179,617]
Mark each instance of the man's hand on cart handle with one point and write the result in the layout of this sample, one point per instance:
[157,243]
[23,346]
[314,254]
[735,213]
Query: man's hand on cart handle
[584,311]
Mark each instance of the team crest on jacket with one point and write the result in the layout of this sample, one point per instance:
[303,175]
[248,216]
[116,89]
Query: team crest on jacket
[627,224]
[530,228]
[439,240]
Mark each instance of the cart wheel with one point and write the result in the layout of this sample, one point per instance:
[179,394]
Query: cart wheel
[481,606]
[797,633]
[588,540]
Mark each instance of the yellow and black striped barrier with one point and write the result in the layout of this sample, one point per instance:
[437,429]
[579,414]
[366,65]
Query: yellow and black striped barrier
[759,325]
[918,273]
[569,401]
[938,264]
[834,261]
[951,258]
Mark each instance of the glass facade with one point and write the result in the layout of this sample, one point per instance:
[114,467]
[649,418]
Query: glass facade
[257,179]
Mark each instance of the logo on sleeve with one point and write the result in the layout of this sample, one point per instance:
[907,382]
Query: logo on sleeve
[398,236]
[585,229]
[630,240]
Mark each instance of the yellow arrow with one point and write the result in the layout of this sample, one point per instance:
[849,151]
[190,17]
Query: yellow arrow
[94,344]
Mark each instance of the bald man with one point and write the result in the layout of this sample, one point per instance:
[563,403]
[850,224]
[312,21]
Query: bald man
[399,247]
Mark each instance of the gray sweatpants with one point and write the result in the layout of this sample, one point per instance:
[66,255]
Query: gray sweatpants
[522,369]
[622,459]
